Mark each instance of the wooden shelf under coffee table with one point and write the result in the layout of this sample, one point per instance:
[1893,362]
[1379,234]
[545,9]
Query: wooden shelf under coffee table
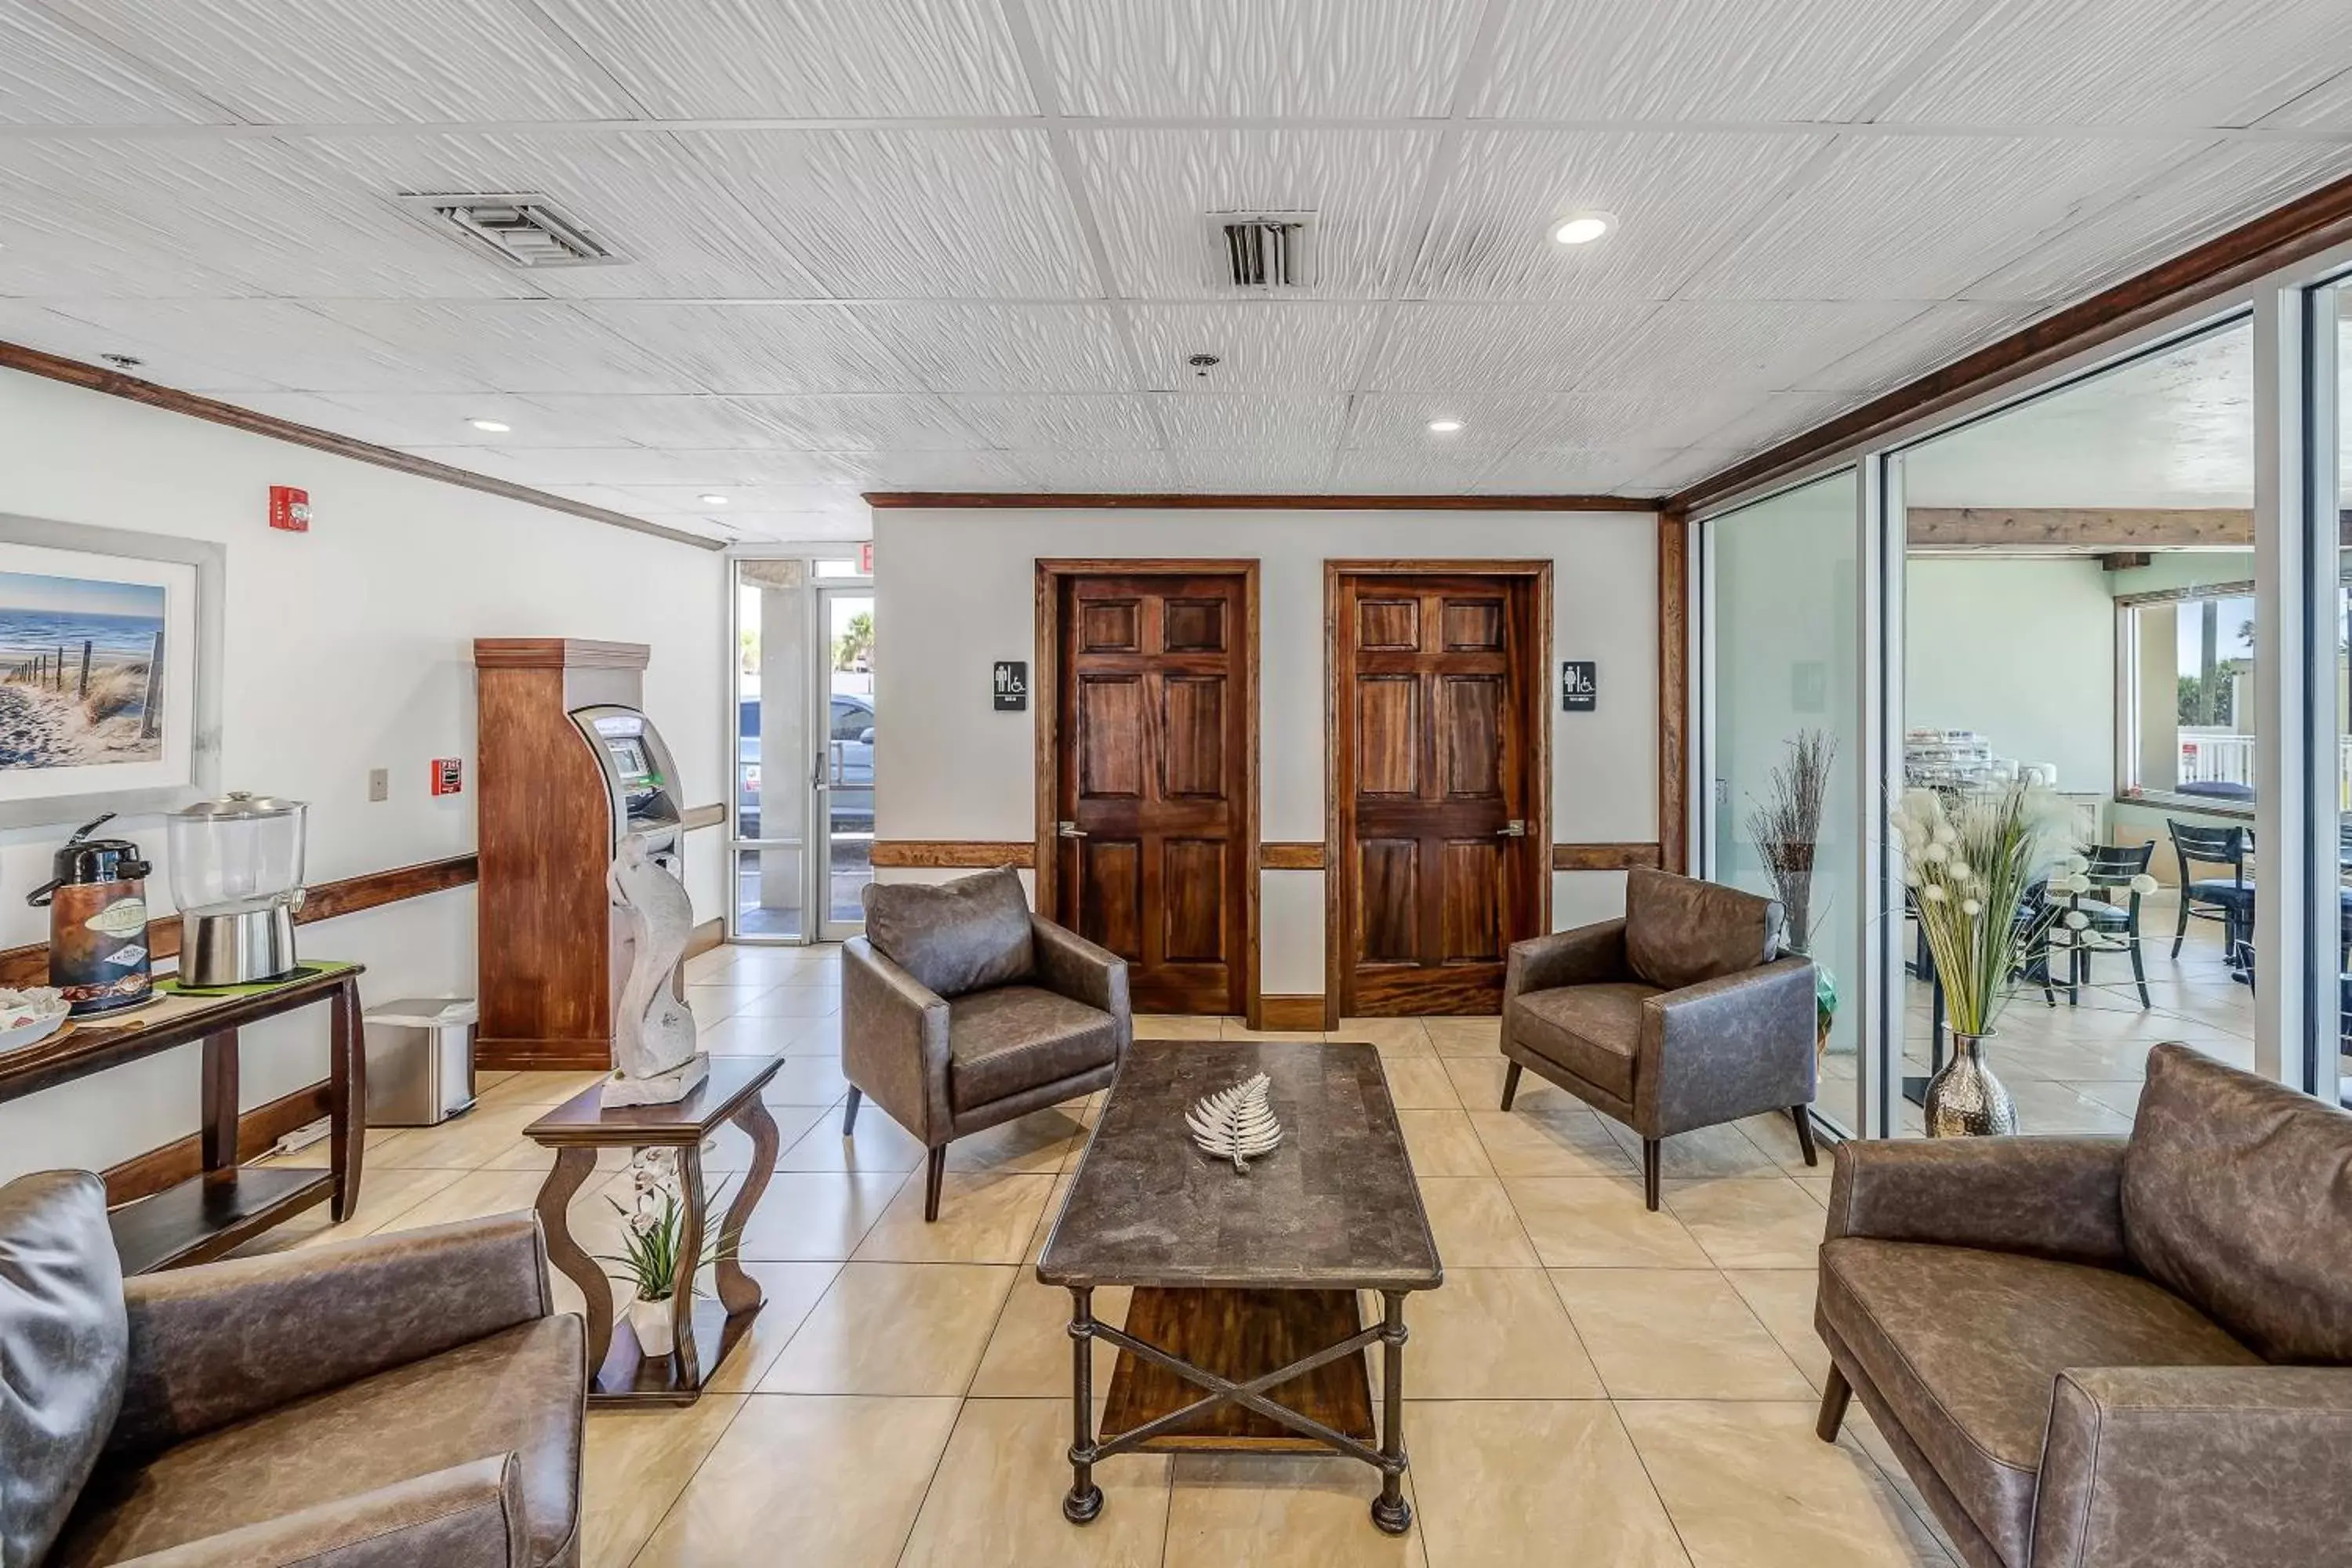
[1243,1334]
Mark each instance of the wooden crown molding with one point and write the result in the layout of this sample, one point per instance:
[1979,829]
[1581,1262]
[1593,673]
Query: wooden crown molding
[114,384]
[2302,228]
[1073,500]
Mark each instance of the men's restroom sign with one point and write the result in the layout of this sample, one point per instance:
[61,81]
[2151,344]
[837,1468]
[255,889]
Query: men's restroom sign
[1011,685]
[1580,690]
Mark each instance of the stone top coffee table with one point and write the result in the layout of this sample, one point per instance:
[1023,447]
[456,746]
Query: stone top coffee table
[1245,1333]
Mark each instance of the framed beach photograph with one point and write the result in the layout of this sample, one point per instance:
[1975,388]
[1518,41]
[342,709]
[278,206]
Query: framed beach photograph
[110,651]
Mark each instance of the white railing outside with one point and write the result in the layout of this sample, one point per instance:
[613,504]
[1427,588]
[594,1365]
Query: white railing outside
[2217,758]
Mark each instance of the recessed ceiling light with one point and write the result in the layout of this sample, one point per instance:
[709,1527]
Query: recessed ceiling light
[495,426]
[1584,229]
[1445,426]
[712,501]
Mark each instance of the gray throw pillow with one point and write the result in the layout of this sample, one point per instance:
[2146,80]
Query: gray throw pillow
[954,937]
[64,1346]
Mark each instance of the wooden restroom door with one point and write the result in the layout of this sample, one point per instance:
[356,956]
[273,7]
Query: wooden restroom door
[1152,838]
[1439,725]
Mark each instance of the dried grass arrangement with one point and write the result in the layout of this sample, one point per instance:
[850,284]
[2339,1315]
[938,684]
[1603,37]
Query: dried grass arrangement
[1786,829]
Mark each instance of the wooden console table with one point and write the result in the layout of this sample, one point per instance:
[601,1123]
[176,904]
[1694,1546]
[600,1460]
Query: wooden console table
[211,1212]
[575,1130]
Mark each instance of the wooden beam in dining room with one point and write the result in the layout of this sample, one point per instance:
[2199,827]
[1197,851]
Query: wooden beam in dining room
[2086,530]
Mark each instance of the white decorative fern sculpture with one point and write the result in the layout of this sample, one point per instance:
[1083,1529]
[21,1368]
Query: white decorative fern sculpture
[1236,1123]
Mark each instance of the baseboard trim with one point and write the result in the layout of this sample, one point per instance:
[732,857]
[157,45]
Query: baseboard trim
[710,933]
[1291,1012]
[143,1175]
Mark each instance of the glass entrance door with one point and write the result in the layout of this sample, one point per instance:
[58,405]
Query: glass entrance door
[841,773]
[770,712]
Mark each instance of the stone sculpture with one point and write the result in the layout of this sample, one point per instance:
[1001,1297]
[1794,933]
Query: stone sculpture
[654,1058]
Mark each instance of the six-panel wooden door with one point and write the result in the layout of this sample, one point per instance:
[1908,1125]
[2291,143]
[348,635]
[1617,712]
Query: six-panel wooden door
[1438,706]
[1153,736]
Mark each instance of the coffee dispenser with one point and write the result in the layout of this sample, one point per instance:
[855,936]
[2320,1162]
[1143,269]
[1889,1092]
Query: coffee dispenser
[98,922]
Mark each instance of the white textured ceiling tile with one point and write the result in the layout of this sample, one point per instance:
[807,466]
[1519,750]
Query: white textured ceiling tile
[1705,349]
[1683,468]
[658,421]
[2208,195]
[605,496]
[1385,58]
[1516,348]
[50,75]
[680,231]
[1570,471]
[436,419]
[1706,59]
[761,347]
[515,468]
[1676,197]
[873,422]
[1262,345]
[65,255]
[519,345]
[1079,422]
[2326,107]
[926,470]
[276,342]
[1625,419]
[688,58]
[36,326]
[910,214]
[1152,188]
[2131,62]
[975,347]
[1399,422]
[407,420]
[1405,472]
[344,61]
[1908,217]
[742,500]
[1269,470]
[1929,340]
[1147,472]
[1207,421]
[1777,416]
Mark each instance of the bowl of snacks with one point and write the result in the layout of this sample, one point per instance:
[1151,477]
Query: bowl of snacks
[30,1015]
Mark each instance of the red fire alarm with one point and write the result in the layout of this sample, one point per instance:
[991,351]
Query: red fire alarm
[448,775]
[290,509]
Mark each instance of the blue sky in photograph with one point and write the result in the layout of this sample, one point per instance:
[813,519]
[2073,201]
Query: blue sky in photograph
[78,596]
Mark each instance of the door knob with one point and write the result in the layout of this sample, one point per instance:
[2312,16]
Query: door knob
[1069,830]
[1514,828]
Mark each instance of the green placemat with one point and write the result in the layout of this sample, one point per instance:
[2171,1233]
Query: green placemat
[170,985]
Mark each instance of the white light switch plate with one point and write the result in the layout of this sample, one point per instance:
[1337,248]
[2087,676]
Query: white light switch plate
[379,784]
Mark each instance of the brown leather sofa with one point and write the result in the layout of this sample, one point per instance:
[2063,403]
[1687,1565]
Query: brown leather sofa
[960,1010]
[1682,1014]
[2102,1350]
[377,1404]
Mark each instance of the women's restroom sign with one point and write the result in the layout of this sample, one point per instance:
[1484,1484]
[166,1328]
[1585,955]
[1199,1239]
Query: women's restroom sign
[1580,690]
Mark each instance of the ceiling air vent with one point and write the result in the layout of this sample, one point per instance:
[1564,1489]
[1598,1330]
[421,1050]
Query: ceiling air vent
[521,229]
[1262,251]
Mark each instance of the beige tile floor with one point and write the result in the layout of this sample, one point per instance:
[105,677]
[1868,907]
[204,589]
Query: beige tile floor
[1594,1385]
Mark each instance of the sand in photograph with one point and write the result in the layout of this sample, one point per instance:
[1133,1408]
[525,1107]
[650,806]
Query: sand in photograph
[76,658]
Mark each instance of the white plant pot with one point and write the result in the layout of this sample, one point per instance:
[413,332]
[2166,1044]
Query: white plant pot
[655,1333]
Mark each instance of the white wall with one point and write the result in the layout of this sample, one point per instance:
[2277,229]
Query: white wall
[956,592]
[2038,678]
[347,648]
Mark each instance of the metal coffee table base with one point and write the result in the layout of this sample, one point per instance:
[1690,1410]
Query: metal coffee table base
[1391,1511]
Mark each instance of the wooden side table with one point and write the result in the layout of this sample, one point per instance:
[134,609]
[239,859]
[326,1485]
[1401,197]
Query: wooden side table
[575,1130]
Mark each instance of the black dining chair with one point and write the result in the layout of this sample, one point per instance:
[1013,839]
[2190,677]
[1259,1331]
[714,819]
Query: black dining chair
[2233,901]
[2112,867]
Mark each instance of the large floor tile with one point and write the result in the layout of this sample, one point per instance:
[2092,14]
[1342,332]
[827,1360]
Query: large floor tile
[1703,1152]
[1442,1144]
[468,1142]
[1478,1080]
[637,1462]
[1178,1026]
[877,1144]
[1420,1083]
[1782,1301]
[535,1087]
[791,1291]
[1037,1144]
[893,1328]
[1581,1222]
[385,1195]
[1547,1484]
[984,1217]
[1750,1224]
[1555,1141]
[1225,1510]
[1473,1223]
[1676,1333]
[1392,1038]
[1028,1356]
[1749,1486]
[1494,1333]
[1466,1036]
[997,1497]
[817,1215]
[806,1081]
[830,1478]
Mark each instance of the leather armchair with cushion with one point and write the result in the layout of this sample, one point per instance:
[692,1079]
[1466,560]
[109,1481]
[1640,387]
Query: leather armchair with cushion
[960,1010]
[389,1401]
[1682,1014]
[2092,1350]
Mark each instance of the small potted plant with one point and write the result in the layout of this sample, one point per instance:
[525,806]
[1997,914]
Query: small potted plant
[649,1262]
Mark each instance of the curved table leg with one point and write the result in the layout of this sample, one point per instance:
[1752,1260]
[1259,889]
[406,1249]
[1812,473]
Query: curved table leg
[573,1167]
[737,1291]
[694,1199]
[347,1096]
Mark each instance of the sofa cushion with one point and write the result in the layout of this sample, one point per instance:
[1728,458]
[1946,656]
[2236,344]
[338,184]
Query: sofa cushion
[1593,1031]
[1019,1037]
[64,1346]
[2237,1193]
[1680,931]
[1965,1347]
[516,1392]
[954,937]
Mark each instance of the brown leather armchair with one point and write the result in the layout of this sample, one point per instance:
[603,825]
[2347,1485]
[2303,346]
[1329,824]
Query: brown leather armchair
[388,1401]
[1681,1016]
[2109,1350]
[960,1010]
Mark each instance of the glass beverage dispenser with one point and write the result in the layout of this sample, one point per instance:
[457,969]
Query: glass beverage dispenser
[237,875]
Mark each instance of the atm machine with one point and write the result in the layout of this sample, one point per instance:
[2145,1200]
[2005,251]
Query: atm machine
[640,780]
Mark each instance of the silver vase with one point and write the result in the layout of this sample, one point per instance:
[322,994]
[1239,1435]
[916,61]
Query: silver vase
[1965,1101]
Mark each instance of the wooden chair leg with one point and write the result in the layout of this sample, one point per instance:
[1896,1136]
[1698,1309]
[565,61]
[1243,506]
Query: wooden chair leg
[935,1169]
[1837,1394]
[1652,1151]
[1804,1116]
[849,1110]
[1510,1084]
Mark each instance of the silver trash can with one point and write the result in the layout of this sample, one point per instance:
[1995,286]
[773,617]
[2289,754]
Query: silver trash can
[420,1060]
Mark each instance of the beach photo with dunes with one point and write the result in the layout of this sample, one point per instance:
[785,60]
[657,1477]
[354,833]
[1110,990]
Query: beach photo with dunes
[80,671]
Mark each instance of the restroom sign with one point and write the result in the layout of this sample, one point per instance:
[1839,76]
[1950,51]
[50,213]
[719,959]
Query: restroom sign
[1011,685]
[1580,690]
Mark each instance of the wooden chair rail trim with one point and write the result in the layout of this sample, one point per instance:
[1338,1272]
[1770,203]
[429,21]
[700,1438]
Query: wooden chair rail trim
[953,854]
[698,817]
[1606,856]
[114,384]
[29,964]
[1290,856]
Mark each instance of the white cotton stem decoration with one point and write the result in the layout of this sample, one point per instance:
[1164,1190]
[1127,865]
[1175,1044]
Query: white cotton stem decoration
[1236,1123]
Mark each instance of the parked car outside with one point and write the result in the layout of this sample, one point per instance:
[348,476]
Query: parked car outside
[849,752]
